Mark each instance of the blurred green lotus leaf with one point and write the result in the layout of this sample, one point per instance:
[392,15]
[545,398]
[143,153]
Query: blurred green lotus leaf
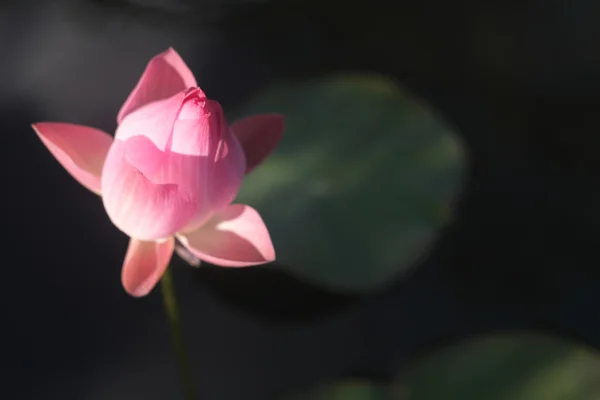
[507,367]
[361,183]
[346,390]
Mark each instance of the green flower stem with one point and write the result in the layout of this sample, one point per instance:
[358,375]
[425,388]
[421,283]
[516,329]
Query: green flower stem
[172,311]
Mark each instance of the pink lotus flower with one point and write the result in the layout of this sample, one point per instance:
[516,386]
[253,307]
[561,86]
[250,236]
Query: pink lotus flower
[172,171]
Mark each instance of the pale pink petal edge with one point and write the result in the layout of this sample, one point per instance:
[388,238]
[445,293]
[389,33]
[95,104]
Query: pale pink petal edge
[159,81]
[233,237]
[144,265]
[81,150]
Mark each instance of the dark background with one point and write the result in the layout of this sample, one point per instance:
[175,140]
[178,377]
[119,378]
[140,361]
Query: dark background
[519,81]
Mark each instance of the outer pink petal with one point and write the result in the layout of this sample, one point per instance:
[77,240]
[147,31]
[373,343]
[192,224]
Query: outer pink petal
[259,135]
[81,150]
[145,207]
[145,262]
[165,75]
[234,237]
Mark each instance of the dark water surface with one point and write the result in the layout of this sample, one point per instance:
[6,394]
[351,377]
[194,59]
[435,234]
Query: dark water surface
[520,85]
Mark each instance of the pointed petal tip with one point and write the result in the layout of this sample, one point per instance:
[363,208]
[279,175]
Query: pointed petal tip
[276,118]
[165,75]
[81,150]
[38,127]
[234,237]
[275,123]
[259,136]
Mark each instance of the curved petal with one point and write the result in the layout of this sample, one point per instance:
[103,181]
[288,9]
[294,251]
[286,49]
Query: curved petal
[81,150]
[228,169]
[142,201]
[165,75]
[259,135]
[154,121]
[145,262]
[234,237]
[222,175]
